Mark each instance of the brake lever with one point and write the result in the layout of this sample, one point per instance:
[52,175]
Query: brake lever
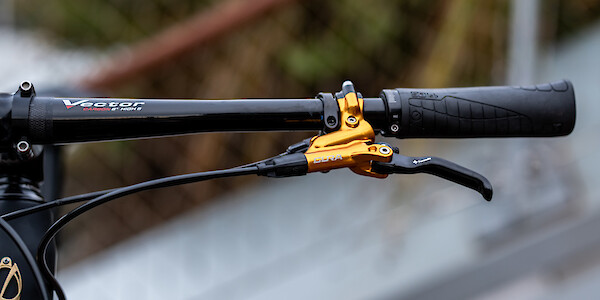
[352,146]
[401,164]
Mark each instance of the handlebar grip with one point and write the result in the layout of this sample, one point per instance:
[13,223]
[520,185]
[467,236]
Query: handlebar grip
[502,111]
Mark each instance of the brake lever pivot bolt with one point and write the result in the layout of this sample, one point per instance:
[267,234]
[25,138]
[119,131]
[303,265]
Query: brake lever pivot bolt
[385,150]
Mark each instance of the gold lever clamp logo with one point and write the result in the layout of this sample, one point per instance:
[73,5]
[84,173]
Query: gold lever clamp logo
[13,277]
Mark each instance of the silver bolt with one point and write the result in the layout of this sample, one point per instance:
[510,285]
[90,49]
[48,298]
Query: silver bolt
[351,119]
[26,86]
[6,261]
[385,150]
[23,146]
[395,127]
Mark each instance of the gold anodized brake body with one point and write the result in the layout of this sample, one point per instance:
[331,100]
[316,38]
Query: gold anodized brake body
[351,146]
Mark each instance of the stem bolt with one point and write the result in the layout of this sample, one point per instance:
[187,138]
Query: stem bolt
[26,89]
[26,86]
[23,146]
[394,128]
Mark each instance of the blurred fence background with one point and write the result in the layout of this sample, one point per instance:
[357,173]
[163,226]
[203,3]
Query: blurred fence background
[293,48]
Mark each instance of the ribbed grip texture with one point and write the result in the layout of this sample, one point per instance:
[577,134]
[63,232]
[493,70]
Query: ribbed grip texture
[503,111]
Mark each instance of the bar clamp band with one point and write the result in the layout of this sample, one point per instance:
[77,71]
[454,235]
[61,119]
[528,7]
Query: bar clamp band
[331,112]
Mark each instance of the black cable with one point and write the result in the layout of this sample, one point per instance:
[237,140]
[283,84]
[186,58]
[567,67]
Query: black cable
[121,192]
[66,201]
[14,235]
[75,199]
[84,197]
[51,204]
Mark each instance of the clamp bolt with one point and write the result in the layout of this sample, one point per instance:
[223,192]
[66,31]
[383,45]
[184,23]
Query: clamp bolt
[351,121]
[394,128]
[331,121]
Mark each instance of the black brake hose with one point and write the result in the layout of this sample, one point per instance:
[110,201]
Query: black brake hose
[84,197]
[51,204]
[121,192]
[65,201]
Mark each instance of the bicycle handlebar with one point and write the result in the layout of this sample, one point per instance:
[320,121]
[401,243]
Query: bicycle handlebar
[68,120]
[542,110]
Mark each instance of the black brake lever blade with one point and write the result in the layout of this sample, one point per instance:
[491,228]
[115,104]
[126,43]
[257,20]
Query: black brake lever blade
[439,167]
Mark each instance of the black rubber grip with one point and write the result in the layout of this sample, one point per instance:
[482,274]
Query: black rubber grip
[502,111]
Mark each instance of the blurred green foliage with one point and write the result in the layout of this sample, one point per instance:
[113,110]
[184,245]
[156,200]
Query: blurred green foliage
[103,23]
[327,40]
[325,53]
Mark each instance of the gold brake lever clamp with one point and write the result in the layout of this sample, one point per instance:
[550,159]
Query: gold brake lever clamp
[352,145]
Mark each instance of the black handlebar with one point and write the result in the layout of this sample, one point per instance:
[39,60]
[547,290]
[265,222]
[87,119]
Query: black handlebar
[68,120]
[542,110]
[532,111]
